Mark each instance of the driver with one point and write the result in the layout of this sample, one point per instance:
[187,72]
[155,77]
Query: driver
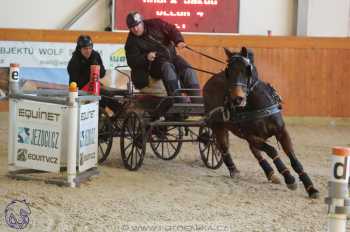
[150,50]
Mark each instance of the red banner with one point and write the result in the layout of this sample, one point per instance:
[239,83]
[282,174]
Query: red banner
[202,16]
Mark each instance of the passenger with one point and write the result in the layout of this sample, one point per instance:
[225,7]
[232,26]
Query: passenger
[150,51]
[79,65]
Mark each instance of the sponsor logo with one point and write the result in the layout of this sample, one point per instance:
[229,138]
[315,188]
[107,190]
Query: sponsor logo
[87,137]
[86,157]
[118,57]
[42,158]
[38,114]
[23,135]
[38,137]
[17,214]
[22,154]
[87,115]
[45,138]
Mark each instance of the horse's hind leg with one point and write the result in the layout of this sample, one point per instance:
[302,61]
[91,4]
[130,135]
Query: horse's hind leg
[222,142]
[272,153]
[270,174]
[284,139]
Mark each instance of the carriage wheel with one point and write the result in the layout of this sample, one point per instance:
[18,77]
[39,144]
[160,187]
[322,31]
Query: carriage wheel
[166,141]
[132,142]
[210,154]
[118,126]
[105,135]
[118,120]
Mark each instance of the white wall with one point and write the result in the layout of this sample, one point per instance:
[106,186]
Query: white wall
[349,22]
[259,16]
[323,18]
[51,14]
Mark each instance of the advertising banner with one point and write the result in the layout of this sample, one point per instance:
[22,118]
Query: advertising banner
[88,136]
[38,131]
[44,64]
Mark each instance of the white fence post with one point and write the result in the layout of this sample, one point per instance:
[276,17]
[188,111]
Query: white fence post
[338,192]
[13,89]
[72,135]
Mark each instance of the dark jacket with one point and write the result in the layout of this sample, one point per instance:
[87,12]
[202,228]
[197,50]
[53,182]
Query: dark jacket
[79,67]
[159,36]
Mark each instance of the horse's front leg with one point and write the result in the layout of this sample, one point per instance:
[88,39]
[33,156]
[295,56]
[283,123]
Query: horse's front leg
[284,138]
[270,174]
[222,142]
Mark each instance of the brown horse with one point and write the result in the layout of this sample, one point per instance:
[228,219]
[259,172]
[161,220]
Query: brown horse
[236,100]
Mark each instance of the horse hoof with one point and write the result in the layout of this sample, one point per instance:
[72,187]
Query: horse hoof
[292,186]
[314,193]
[274,179]
[234,173]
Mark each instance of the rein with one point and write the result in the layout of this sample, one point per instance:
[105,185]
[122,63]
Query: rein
[205,55]
[189,66]
[201,70]
[121,72]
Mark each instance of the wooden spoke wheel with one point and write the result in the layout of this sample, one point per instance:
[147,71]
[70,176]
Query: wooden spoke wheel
[133,141]
[105,135]
[210,154]
[166,141]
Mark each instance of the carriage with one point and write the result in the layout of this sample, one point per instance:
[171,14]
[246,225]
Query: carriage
[163,122]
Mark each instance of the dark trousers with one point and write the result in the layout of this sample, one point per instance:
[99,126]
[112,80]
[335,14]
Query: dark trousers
[176,74]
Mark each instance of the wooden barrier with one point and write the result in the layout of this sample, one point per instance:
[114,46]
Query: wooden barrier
[311,74]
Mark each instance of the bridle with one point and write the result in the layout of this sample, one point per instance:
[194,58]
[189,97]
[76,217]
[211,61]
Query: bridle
[244,81]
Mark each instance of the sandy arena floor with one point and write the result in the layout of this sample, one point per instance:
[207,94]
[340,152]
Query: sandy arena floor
[182,195]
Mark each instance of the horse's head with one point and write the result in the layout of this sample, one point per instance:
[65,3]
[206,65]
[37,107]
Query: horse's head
[239,75]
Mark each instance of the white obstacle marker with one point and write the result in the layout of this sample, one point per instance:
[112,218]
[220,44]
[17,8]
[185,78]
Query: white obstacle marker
[45,134]
[338,193]
[13,89]
[72,134]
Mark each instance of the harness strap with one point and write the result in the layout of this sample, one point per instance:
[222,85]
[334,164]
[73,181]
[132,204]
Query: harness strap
[222,114]
[251,88]
[220,110]
[237,117]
